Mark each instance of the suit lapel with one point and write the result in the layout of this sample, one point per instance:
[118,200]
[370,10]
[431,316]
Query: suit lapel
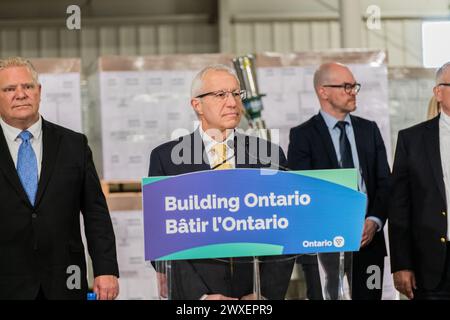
[324,134]
[8,168]
[431,137]
[50,146]
[360,140]
[199,164]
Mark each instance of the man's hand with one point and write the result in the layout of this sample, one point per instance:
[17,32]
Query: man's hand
[162,284]
[106,287]
[405,282]
[370,227]
[218,297]
[252,296]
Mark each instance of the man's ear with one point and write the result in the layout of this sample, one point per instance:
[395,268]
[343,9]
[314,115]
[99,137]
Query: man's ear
[322,93]
[437,93]
[40,90]
[197,106]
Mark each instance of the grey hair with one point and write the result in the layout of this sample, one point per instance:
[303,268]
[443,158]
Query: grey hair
[197,82]
[20,62]
[440,72]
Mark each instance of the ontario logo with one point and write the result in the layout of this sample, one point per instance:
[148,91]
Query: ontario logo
[337,242]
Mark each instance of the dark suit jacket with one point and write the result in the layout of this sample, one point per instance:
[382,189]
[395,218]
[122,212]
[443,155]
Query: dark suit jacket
[38,243]
[417,211]
[311,147]
[193,278]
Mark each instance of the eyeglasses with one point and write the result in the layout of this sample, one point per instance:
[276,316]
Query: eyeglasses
[348,87]
[446,84]
[223,95]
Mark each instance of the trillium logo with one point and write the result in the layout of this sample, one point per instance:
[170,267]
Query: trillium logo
[338,241]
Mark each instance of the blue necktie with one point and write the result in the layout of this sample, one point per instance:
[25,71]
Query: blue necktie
[27,166]
[344,146]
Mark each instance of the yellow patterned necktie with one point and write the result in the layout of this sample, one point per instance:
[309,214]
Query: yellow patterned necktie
[219,151]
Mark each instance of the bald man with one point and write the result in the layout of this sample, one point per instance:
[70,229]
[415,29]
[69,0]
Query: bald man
[335,139]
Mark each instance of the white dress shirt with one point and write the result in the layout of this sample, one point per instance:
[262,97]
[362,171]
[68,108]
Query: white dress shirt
[444,141]
[209,142]
[13,140]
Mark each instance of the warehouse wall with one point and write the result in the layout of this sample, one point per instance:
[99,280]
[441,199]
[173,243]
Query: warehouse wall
[141,27]
[290,25]
[108,27]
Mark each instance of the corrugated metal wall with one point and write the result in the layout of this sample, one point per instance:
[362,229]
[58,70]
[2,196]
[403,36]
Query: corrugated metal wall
[196,34]
[402,38]
[182,34]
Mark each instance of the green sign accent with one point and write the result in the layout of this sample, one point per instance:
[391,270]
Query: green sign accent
[345,177]
[226,250]
[149,180]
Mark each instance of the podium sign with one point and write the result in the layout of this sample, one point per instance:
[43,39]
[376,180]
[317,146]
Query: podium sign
[251,212]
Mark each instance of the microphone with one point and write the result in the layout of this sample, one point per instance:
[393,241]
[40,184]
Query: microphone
[221,163]
[230,145]
[263,161]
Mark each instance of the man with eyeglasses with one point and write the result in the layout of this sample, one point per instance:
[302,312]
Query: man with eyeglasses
[418,212]
[335,139]
[216,98]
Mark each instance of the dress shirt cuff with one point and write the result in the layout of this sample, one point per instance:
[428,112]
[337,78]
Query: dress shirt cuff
[203,297]
[377,221]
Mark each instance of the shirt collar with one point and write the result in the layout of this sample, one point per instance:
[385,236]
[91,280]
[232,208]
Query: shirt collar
[331,121]
[445,119]
[210,142]
[12,133]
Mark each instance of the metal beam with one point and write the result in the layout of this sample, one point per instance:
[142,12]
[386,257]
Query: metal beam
[350,23]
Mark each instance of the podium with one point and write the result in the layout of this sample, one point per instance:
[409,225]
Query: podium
[335,276]
[241,240]
[248,278]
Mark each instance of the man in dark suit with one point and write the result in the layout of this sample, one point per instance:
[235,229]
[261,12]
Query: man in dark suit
[418,211]
[334,139]
[46,178]
[216,98]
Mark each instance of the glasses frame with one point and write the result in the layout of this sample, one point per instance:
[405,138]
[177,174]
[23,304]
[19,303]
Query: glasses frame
[241,94]
[445,84]
[348,87]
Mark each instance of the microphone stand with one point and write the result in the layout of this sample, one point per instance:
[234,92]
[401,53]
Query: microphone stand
[256,260]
